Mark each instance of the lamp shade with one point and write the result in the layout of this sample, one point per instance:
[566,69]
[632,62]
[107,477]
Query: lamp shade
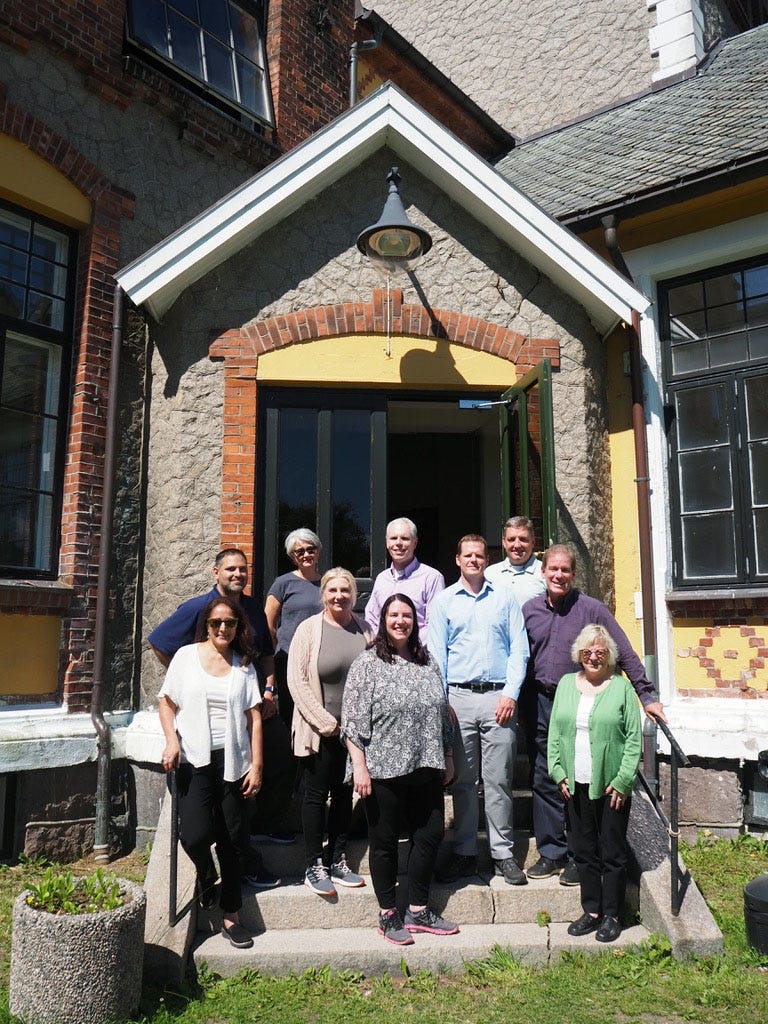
[394,241]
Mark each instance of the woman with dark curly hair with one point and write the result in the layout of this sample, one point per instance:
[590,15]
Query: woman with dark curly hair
[212,730]
[397,726]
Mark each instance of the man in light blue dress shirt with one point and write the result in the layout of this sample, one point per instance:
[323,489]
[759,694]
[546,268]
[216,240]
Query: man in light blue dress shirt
[521,569]
[477,636]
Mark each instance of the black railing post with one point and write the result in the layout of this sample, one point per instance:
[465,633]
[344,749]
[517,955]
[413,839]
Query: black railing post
[174,862]
[677,760]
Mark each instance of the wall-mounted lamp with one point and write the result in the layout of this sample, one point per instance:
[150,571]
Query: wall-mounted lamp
[394,243]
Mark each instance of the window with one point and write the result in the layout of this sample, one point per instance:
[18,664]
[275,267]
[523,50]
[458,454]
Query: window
[215,43]
[35,321]
[715,338]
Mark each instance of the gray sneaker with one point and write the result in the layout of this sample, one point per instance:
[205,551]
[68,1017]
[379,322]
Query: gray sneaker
[391,927]
[342,873]
[427,920]
[318,880]
[510,871]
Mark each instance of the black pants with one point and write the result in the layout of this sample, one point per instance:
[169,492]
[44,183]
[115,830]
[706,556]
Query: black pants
[598,836]
[213,811]
[414,803]
[273,800]
[284,698]
[324,777]
[548,804]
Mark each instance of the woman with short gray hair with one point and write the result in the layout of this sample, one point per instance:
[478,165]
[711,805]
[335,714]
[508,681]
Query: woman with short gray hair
[292,598]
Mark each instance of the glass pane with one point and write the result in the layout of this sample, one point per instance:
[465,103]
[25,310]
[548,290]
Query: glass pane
[213,18]
[351,490]
[13,264]
[50,244]
[185,45]
[297,475]
[687,327]
[11,300]
[250,83]
[760,521]
[726,288]
[42,309]
[14,230]
[709,546]
[188,7]
[20,449]
[17,516]
[756,392]
[245,35]
[758,471]
[148,24]
[757,311]
[756,280]
[30,376]
[732,348]
[758,344]
[705,480]
[725,318]
[702,417]
[685,298]
[48,277]
[688,358]
[218,62]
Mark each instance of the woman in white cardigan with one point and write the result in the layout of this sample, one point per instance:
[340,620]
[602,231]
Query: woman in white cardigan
[208,712]
[322,649]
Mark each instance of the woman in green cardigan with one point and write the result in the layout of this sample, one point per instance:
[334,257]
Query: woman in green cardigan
[593,751]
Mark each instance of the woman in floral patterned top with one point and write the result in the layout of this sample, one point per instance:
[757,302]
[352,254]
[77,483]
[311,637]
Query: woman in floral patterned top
[397,726]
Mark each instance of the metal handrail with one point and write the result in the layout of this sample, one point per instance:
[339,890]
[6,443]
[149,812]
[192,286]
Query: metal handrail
[174,914]
[677,760]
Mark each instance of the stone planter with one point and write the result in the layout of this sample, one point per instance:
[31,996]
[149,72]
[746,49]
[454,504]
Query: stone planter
[78,968]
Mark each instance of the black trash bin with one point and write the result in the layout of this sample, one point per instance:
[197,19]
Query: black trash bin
[756,913]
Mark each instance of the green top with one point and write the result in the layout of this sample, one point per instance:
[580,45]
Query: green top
[615,736]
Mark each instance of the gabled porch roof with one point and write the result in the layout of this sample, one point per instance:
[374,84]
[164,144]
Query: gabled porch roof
[388,118]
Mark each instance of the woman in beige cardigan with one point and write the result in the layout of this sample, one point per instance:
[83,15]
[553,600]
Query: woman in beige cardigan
[322,649]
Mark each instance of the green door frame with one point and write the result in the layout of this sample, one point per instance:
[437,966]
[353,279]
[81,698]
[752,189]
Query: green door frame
[515,403]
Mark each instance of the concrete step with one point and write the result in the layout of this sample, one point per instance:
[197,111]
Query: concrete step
[363,950]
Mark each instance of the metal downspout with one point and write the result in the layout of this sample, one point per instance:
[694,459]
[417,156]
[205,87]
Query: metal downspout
[101,831]
[354,53]
[642,480]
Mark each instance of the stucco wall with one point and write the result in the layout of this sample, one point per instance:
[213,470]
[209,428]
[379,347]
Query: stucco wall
[309,260]
[532,65]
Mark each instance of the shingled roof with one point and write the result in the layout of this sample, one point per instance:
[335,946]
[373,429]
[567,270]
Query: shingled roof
[715,121]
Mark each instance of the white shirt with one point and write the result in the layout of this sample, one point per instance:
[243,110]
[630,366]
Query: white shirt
[526,581]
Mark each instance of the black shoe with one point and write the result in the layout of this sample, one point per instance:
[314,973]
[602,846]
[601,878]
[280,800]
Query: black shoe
[545,867]
[205,892]
[239,937]
[459,866]
[261,879]
[510,871]
[609,930]
[570,874]
[584,925]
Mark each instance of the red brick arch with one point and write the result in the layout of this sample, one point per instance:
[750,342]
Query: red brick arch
[240,350]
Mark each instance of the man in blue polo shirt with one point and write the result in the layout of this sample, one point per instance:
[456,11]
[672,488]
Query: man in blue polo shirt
[230,573]
[477,636]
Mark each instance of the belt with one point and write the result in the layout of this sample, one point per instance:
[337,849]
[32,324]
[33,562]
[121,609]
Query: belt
[478,687]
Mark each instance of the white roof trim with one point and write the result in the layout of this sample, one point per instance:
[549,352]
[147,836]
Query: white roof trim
[387,118]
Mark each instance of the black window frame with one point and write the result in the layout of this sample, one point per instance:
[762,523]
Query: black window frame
[199,86]
[63,339]
[732,380]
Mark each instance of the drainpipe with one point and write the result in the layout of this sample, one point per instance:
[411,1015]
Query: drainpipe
[101,832]
[354,51]
[642,479]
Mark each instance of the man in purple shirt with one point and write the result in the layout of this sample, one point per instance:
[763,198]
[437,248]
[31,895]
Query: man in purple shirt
[553,622]
[406,575]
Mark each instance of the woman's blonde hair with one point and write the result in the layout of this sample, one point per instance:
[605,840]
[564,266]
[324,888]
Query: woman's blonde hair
[332,574]
[587,636]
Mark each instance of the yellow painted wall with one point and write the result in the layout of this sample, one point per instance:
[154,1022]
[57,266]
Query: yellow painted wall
[27,180]
[705,654]
[623,490]
[363,360]
[30,646]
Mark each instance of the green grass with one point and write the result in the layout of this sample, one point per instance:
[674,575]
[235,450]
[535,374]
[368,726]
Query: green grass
[616,987]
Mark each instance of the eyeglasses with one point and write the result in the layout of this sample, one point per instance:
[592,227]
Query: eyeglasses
[218,623]
[599,654]
[310,550]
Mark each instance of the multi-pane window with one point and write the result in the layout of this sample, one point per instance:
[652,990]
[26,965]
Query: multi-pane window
[715,337]
[216,43]
[35,321]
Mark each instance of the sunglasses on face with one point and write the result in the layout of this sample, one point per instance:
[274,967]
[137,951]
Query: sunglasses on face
[298,552]
[218,623]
